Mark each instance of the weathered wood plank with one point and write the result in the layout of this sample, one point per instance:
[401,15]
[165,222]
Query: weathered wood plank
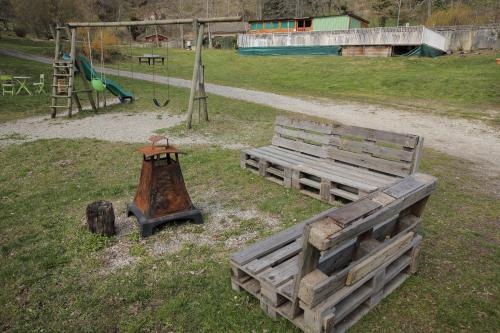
[322,229]
[375,150]
[304,125]
[333,290]
[386,213]
[403,187]
[268,245]
[353,211]
[300,134]
[377,258]
[312,169]
[401,169]
[383,198]
[331,168]
[417,155]
[306,148]
[280,273]
[258,265]
[308,261]
[406,140]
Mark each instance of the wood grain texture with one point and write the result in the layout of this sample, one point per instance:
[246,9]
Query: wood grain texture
[377,258]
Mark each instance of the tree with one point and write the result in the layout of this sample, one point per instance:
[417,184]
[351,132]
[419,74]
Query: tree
[384,10]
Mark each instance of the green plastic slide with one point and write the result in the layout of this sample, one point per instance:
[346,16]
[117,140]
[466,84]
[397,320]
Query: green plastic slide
[111,85]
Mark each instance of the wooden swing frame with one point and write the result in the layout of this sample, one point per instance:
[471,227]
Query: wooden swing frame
[197,82]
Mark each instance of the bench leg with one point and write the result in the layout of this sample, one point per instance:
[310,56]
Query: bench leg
[324,191]
[287,180]
[295,179]
[262,167]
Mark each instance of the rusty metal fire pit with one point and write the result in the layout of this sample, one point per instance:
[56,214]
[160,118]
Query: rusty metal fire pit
[161,196]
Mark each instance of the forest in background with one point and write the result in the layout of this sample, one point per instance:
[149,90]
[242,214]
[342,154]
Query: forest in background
[39,17]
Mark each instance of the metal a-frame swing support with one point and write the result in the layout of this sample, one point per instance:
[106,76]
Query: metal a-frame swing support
[197,82]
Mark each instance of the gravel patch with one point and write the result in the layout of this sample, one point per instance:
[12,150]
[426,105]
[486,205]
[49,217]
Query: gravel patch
[218,221]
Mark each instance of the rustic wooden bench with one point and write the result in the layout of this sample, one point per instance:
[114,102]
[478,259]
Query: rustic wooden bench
[329,161]
[327,272]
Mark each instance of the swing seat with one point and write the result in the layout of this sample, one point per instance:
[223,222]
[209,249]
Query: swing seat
[158,104]
[98,85]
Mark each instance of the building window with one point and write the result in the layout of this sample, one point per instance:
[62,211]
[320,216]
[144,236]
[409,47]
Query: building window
[284,24]
[254,26]
[291,24]
[259,26]
[268,25]
[276,25]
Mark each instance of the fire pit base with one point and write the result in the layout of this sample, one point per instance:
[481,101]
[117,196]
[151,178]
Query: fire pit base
[146,225]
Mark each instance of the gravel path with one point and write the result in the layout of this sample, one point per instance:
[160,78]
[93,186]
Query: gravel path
[471,140]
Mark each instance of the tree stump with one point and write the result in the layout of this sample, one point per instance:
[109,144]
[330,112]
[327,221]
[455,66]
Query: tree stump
[101,218]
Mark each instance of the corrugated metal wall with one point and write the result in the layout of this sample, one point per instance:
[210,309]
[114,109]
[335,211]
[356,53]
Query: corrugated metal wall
[330,23]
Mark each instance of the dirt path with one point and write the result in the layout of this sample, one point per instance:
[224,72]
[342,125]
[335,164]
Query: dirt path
[471,140]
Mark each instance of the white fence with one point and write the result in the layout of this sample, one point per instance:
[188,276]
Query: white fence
[415,35]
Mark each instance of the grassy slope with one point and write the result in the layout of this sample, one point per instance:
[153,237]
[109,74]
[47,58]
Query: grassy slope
[466,87]
[55,276]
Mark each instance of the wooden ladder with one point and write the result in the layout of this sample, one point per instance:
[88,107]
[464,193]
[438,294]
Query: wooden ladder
[63,70]
[62,86]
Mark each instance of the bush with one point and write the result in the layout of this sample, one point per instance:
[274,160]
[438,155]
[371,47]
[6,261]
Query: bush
[456,15]
[20,31]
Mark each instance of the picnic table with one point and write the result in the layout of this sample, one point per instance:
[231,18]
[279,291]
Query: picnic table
[148,57]
[23,84]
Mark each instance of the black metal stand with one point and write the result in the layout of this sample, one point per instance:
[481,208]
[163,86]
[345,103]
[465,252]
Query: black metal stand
[146,225]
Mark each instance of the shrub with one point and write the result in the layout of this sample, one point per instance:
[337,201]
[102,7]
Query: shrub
[20,31]
[455,15]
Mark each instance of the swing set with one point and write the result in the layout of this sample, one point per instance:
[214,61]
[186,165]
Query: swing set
[100,84]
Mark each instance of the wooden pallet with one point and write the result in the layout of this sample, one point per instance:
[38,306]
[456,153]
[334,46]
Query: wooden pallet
[311,176]
[329,162]
[327,272]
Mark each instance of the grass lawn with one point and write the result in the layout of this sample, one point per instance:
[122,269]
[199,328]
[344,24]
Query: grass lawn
[24,105]
[466,87]
[56,276]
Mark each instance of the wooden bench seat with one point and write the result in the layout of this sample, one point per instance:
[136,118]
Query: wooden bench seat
[329,161]
[325,273]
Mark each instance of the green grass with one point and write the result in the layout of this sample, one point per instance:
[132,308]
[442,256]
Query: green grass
[466,87]
[40,47]
[52,268]
[56,276]
[24,105]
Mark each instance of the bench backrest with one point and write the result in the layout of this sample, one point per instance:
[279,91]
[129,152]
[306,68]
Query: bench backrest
[343,245]
[381,151]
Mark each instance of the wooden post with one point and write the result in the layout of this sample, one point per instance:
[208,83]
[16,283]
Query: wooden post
[54,78]
[196,69]
[101,218]
[202,95]
[308,261]
[71,80]
[86,85]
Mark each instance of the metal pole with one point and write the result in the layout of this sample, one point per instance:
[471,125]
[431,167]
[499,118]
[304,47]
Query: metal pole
[196,69]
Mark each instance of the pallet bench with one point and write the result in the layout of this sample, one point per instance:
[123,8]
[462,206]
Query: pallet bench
[329,162]
[324,274]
